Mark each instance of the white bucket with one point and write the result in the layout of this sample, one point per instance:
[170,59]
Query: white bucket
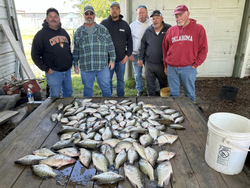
[228,141]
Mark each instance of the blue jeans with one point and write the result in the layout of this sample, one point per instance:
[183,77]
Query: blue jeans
[138,76]
[119,69]
[187,76]
[88,79]
[60,80]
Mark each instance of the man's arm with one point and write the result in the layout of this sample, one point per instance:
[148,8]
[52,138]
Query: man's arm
[202,48]
[76,53]
[111,49]
[37,53]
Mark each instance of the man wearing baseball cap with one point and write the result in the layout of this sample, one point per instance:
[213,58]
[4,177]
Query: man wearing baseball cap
[94,51]
[51,53]
[151,48]
[122,39]
[184,49]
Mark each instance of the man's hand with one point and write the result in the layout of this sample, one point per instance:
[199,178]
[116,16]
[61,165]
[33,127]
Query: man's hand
[166,71]
[125,59]
[50,71]
[140,63]
[76,69]
[132,58]
[193,67]
[111,65]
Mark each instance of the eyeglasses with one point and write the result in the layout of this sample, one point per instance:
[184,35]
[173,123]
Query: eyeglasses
[88,13]
[142,6]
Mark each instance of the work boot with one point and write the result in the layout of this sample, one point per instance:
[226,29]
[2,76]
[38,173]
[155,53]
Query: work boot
[139,93]
[157,93]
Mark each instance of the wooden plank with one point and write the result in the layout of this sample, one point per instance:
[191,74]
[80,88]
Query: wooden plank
[183,175]
[22,59]
[28,123]
[23,145]
[200,128]
[195,150]
[6,115]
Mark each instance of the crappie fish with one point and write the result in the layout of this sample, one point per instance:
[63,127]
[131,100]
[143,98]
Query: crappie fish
[146,140]
[132,155]
[140,150]
[112,142]
[44,152]
[110,155]
[58,161]
[66,136]
[153,132]
[85,157]
[60,106]
[100,162]
[133,174]
[166,139]
[54,117]
[67,107]
[62,144]
[176,126]
[164,171]
[165,155]
[87,143]
[151,155]
[147,169]
[123,145]
[179,119]
[44,171]
[71,152]
[107,178]
[30,160]
[107,134]
[120,159]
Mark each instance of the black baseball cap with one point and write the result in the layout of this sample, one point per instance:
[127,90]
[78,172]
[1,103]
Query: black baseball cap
[52,10]
[156,13]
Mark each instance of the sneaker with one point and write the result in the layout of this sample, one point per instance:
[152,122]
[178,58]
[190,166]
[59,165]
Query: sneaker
[139,93]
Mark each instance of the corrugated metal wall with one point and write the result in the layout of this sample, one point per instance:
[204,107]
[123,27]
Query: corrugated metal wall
[8,61]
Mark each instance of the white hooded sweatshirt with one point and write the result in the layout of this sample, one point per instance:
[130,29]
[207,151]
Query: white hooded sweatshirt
[137,31]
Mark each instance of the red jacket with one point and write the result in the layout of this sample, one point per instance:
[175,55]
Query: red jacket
[185,46]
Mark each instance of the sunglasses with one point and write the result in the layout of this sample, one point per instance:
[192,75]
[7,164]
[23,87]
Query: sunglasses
[90,13]
[142,6]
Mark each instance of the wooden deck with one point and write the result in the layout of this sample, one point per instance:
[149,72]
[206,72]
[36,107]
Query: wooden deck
[189,166]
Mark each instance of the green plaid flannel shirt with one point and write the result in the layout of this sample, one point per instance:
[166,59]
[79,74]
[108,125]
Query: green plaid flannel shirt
[95,52]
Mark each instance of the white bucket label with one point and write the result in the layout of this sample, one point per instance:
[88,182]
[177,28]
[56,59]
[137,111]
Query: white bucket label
[223,155]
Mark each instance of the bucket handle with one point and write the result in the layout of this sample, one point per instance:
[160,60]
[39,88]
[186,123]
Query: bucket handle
[236,145]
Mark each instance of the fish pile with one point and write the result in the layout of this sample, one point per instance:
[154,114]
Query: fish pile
[111,134]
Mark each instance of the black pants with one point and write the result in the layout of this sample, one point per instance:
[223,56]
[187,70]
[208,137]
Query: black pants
[152,72]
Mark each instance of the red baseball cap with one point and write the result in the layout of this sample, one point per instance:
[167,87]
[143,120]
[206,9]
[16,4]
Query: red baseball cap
[180,9]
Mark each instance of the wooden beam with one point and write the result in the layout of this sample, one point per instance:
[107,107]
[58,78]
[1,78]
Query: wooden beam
[6,115]
[18,51]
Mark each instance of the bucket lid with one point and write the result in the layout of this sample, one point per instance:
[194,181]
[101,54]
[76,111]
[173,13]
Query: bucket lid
[227,123]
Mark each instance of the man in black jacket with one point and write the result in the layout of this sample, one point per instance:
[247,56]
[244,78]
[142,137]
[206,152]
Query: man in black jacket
[51,53]
[121,35]
[151,48]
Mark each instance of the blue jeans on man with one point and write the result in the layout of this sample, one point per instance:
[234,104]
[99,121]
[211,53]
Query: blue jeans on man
[60,80]
[138,76]
[119,69]
[88,79]
[187,76]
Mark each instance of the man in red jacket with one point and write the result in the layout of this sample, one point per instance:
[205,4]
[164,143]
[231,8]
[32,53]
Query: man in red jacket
[184,49]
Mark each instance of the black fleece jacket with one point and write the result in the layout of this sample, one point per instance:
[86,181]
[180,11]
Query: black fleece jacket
[151,45]
[51,49]
[121,35]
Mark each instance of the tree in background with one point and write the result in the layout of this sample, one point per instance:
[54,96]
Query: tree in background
[101,7]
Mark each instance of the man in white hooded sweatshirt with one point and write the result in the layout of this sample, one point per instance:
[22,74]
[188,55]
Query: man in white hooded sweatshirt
[137,30]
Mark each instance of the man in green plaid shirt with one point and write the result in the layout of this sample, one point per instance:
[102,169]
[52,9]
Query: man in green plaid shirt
[95,53]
